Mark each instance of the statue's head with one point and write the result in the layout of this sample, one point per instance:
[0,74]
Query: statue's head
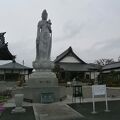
[44,15]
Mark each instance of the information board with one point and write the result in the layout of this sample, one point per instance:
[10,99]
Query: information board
[98,89]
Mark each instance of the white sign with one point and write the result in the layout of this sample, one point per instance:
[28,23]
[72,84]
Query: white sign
[98,89]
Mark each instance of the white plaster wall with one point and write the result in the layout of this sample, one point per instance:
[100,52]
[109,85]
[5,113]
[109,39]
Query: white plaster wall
[70,59]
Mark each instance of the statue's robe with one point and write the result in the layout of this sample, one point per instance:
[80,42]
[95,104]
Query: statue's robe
[43,42]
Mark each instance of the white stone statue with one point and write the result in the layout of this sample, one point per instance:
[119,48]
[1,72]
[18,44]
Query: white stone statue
[43,43]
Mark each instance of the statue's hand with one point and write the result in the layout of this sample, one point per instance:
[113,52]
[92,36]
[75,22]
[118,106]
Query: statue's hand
[49,22]
[49,25]
[50,30]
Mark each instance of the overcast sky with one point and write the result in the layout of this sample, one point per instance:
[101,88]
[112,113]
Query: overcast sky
[91,27]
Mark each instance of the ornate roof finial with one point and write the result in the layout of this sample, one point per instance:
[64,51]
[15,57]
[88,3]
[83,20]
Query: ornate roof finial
[2,38]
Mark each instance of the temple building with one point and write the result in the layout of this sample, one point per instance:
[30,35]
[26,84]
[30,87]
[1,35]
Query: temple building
[69,66]
[13,72]
[110,74]
[111,67]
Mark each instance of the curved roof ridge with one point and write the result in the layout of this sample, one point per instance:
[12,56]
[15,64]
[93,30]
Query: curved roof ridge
[13,65]
[65,53]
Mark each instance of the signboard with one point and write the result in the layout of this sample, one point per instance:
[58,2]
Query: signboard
[99,89]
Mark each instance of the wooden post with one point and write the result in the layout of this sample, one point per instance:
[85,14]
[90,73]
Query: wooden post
[28,76]
[4,75]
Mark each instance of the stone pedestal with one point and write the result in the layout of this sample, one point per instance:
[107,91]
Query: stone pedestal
[45,83]
[44,65]
[18,103]
[42,87]
[40,79]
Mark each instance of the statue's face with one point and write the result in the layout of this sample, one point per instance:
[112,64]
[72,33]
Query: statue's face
[44,17]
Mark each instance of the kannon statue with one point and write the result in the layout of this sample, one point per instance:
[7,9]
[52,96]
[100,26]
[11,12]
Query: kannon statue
[43,43]
[44,38]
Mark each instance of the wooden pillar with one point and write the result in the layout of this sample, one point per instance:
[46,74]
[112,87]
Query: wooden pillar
[28,76]
[84,75]
[90,75]
[94,74]
[4,76]
[19,76]
[94,78]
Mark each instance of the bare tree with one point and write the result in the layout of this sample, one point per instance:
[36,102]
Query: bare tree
[119,59]
[103,62]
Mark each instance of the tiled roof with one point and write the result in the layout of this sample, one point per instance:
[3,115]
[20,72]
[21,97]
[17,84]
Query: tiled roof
[5,53]
[78,67]
[67,52]
[111,66]
[14,65]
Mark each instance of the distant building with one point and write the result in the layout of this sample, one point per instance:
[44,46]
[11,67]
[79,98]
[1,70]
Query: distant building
[111,67]
[72,67]
[13,72]
[110,74]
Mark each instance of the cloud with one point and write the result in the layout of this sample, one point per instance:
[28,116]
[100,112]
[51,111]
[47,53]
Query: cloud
[70,31]
[106,49]
[108,45]
[86,25]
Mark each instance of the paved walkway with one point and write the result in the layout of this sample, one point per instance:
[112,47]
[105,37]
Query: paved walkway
[68,100]
[55,111]
[58,110]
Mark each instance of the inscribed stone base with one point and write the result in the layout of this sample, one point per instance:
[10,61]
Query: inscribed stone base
[40,79]
[44,65]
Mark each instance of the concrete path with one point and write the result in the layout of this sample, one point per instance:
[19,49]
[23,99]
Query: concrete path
[69,99]
[58,110]
[55,111]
